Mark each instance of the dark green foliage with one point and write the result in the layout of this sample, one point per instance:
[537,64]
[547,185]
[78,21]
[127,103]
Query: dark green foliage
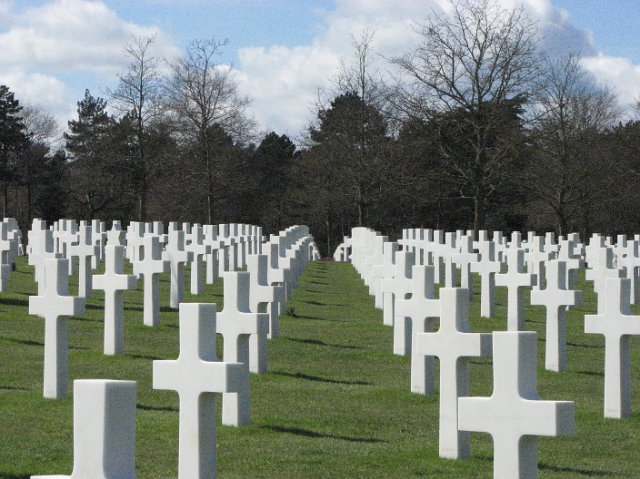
[13,141]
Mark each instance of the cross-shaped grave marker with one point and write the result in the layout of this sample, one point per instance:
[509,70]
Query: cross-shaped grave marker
[514,415]
[6,247]
[515,279]
[211,239]
[453,344]
[616,323]
[556,297]
[198,250]
[104,430]
[237,323]
[41,247]
[415,313]
[150,267]
[398,286]
[54,306]
[84,251]
[264,297]
[602,267]
[629,261]
[464,258]
[197,376]
[176,255]
[114,282]
[487,268]
[537,258]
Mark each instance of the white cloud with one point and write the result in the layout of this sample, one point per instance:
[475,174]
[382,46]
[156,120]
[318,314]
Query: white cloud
[44,46]
[619,73]
[38,89]
[283,81]
[68,35]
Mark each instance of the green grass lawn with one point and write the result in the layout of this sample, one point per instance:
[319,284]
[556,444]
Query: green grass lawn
[335,402]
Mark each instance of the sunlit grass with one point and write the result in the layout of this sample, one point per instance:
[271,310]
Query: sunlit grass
[335,402]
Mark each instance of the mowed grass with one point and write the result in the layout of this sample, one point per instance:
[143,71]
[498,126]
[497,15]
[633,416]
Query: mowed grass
[335,402]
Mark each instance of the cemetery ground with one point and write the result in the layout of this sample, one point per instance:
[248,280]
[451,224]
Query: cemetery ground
[334,403]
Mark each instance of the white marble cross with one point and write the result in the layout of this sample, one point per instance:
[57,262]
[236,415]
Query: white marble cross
[198,250]
[54,306]
[616,323]
[236,323]
[487,268]
[629,261]
[104,430]
[383,269]
[536,259]
[602,267]
[556,297]
[41,247]
[264,297]
[150,266]
[464,258]
[197,376]
[415,314]
[573,260]
[211,239]
[514,415]
[515,280]
[176,255]
[84,251]
[114,282]
[453,344]
[398,286]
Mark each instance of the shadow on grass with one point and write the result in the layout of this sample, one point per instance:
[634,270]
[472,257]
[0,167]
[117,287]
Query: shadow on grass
[8,475]
[580,471]
[322,343]
[26,342]
[14,302]
[317,282]
[309,377]
[143,356]
[318,303]
[12,388]
[307,433]
[591,373]
[144,407]
[590,346]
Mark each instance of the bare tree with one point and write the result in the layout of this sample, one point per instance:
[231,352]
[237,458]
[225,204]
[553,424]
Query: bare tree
[203,95]
[43,132]
[352,129]
[41,126]
[138,96]
[471,65]
[570,109]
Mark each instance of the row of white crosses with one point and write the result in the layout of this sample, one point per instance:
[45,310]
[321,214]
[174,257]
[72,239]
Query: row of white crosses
[114,282]
[10,249]
[453,344]
[196,375]
[555,267]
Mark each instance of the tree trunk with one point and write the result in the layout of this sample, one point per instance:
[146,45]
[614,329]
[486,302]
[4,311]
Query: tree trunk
[328,236]
[5,205]
[479,212]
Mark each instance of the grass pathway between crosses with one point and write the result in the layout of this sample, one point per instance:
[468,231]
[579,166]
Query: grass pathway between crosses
[335,402]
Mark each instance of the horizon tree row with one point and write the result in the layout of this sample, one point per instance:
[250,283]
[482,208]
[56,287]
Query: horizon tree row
[482,131]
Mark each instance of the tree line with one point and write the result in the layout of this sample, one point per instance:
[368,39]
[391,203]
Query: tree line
[475,128]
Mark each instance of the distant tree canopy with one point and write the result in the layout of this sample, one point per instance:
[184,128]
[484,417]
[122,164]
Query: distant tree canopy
[482,132]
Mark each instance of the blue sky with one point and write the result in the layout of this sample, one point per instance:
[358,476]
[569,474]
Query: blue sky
[614,24]
[282,51]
